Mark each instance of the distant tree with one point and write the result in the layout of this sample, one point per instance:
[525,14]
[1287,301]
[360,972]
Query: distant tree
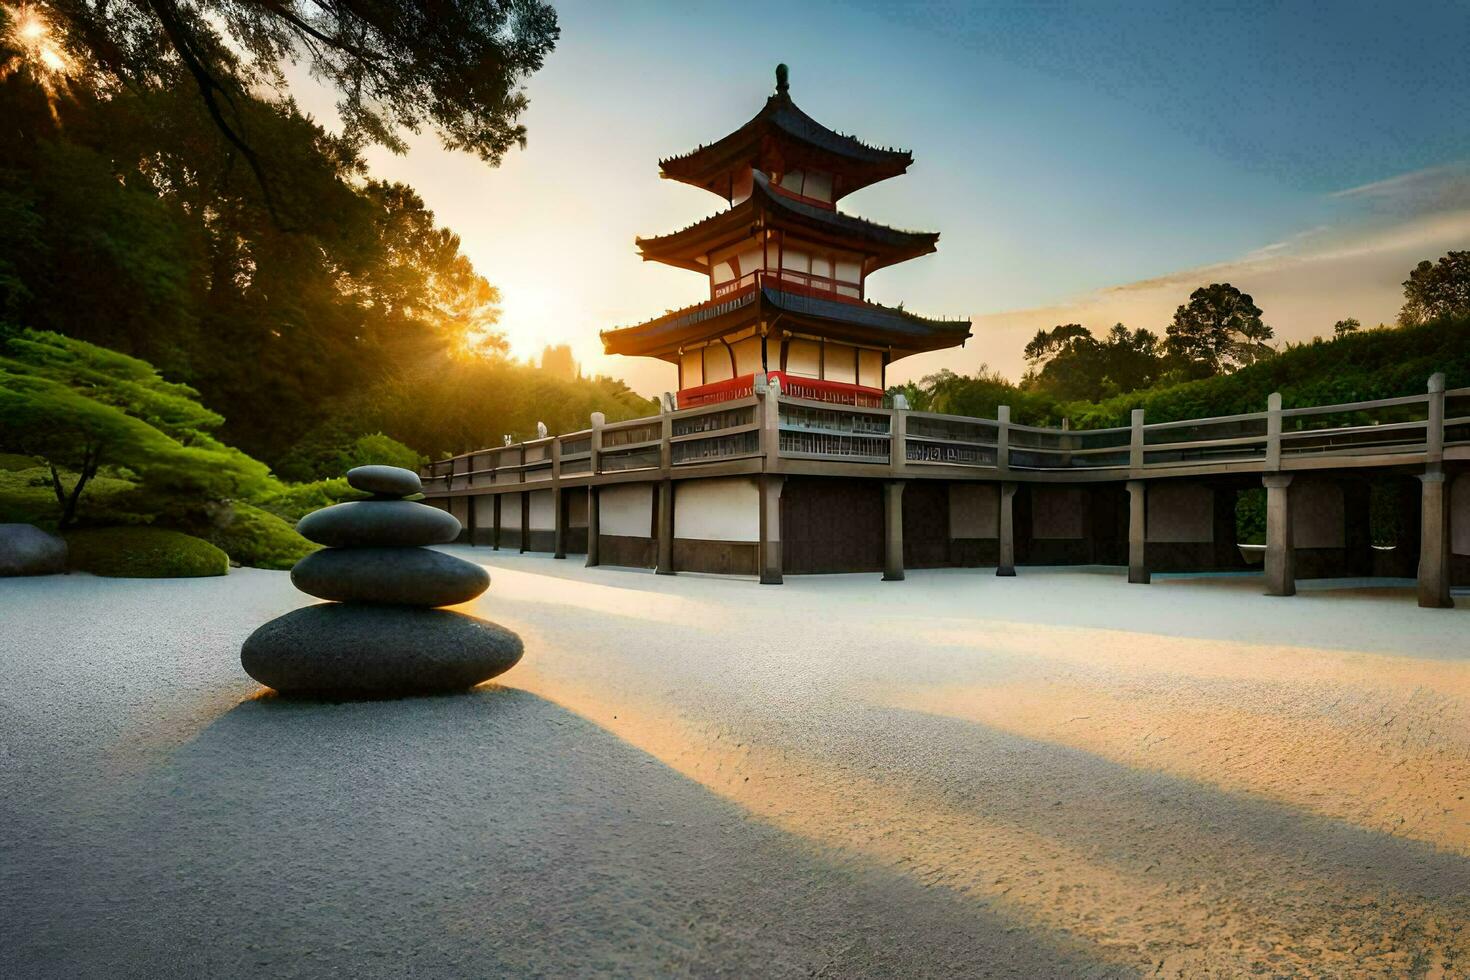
[557,359]
[1437,289]
[1071,364]
[79,408]
[1218,330]
[1343,327]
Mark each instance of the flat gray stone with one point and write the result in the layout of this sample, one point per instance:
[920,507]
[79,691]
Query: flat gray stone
[355,651]
[390,481]
[28,550]
[409,576]
[379,523]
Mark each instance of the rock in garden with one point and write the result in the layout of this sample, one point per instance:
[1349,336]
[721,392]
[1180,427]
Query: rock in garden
[378,524]
[387,481]
[28,550]
[351,650]
[405,576]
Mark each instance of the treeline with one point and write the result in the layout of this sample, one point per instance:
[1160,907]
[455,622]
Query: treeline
[1206,365]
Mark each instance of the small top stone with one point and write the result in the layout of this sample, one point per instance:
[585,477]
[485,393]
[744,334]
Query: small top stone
[390,481]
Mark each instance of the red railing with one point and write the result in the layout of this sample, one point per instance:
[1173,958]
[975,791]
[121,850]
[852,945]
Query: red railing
[791,281]
[811,389]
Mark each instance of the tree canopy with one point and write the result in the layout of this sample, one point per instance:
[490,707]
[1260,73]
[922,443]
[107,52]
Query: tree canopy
[1437,289]
[454,65]
[79,407]
[1070,363]
[1219,329]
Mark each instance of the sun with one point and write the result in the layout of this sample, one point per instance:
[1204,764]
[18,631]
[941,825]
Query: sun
[35,46]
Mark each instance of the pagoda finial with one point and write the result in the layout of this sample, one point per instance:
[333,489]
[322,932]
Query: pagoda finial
[783,86]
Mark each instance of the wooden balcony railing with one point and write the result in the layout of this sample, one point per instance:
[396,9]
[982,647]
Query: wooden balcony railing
[770,423]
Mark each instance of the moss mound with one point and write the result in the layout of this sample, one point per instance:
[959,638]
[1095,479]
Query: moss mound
[258,538]
[144,552]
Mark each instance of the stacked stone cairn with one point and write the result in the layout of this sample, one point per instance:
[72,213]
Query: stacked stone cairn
[381,633]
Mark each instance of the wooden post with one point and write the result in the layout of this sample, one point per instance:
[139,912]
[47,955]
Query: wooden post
[769,557]
[1434,541]
[1138,572]
[1066,443]
[1280,546]
[1434,422]
[558,504]
[594,556]
[470,517]
[898,426]
[495,524]
[665,530]
[525,511]
[1003,437]
[1135,443]
[893,530]
[1006,565]
[595,450]
[1273,432]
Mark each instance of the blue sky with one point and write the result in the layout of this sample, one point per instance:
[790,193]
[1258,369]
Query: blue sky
[1082,161]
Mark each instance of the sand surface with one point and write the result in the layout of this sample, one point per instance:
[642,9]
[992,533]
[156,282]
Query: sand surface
[1053,775]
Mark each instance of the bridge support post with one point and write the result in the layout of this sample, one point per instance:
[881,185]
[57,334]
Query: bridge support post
[1434,542]
[495,524]
[559,523]
[1006,565]
[893,531]
[525,517]
[1138,572]
[594,556]
[769,557]
[665,527]
[1280,548]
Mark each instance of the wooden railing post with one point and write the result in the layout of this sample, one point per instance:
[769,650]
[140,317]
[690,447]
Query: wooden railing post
[898,427]
[1135,441]
[1002,437]
[1273,432]
[1434,422]
[1066,443]
[595,448]
[558,504]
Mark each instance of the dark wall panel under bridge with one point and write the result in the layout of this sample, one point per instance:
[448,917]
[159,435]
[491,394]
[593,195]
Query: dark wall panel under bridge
[831,525]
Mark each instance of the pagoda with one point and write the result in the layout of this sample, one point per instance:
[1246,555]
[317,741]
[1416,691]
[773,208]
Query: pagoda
[787,270]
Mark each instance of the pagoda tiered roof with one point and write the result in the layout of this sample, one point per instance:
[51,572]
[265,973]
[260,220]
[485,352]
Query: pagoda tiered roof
[779,139]
[769,206]
[798,310]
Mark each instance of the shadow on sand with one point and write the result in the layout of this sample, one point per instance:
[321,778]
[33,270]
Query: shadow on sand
[488,834]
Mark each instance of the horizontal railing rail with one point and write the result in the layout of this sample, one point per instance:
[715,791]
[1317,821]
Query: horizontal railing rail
[764,419]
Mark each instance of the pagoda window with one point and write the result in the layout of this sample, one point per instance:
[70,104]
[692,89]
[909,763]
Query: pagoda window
[717,363]
[811,184]
[870,368]
[747,356]
[839,363]
[804,358]
[691,369]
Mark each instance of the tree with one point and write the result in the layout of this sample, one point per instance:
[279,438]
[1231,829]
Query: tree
[79,408]
[1071,364]
[1219,330]
[1437,289]
[1344,327]
[557,359]
[454,65]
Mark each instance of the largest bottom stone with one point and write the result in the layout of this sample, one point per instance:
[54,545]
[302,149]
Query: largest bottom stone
[375,651]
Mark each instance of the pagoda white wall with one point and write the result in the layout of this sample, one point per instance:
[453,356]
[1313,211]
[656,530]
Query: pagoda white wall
[542,512]
[510,511]
[724,509]
[626,510]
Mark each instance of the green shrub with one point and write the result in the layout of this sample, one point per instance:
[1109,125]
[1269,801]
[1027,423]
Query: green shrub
[144,552]
[330,453]
[254,537]
[293,501]
[26,497]
[15,462]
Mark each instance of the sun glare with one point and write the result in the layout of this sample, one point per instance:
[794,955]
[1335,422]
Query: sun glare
[31,36]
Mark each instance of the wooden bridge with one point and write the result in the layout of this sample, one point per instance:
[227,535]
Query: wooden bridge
[768,483]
